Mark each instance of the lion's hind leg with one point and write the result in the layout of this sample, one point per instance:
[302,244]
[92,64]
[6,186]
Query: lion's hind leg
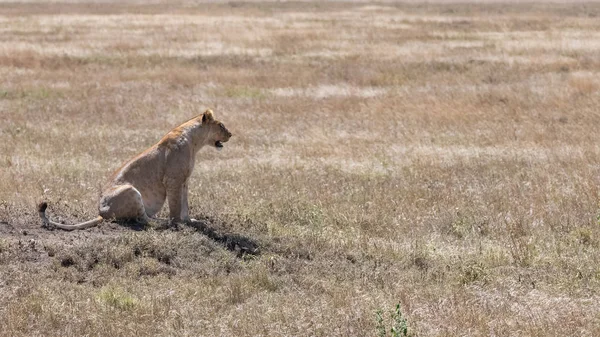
[123,202]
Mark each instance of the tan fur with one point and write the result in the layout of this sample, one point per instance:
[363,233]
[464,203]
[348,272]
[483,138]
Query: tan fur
[138,190]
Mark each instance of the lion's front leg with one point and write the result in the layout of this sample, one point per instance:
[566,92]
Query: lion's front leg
[178,203]
[180,163]
[175,198]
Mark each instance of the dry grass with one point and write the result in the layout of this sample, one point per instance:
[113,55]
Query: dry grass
[445,157]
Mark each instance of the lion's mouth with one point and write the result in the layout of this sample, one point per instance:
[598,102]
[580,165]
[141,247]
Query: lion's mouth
[219,144]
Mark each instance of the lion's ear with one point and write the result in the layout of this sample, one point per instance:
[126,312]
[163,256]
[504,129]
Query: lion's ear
[207,116]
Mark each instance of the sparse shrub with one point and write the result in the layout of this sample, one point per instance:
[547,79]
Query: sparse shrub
[235,291]
[262,279]
[50,249]
[149,267]
[398,323]
[421,260]
[117,298]
[115,256]
[522,250]
[302,213]
[152,267]
[420,256]
[473,272]
[381,331]
[244,92]
[151,246]
[583,236]
[3,245]
[459,228]
[4,250]
[522,246]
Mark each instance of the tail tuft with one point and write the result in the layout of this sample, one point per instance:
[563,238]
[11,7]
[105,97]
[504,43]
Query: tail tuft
[42,206]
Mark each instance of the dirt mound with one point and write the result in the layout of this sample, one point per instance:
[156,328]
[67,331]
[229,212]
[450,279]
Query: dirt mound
[205,247]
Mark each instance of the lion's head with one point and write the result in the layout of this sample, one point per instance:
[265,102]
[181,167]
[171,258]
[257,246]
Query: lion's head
[217,132]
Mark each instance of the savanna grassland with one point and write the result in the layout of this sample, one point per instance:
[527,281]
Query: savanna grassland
[444,157]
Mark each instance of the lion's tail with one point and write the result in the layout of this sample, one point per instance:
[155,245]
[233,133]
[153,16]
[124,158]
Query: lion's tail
[51,224]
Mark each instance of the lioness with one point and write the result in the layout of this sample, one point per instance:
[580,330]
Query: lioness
[137,190]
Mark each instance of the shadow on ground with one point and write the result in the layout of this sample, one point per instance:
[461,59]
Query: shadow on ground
[240,244]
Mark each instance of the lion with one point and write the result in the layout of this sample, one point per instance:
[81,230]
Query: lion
[137,190]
